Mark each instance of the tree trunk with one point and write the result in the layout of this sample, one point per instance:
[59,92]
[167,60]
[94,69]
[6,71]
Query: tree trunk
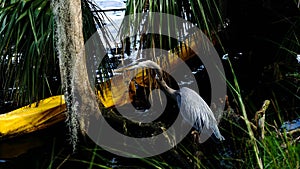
[70,48]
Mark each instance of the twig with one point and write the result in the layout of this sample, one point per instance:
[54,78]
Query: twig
[64,161]
[260,120]
[293,131]
[298,138]
[252,125]
[276,129]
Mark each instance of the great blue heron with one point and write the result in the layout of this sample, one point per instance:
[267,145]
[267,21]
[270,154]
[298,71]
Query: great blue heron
[193,108]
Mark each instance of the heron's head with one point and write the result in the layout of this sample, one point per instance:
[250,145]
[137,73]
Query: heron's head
[152,65]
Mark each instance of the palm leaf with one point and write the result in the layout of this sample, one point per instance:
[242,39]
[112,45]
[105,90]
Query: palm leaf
[28,61]
[206,15]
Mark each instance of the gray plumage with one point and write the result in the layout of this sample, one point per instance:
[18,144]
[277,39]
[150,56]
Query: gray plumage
[194,109]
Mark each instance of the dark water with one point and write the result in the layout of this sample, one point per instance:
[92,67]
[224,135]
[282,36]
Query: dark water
[32,150]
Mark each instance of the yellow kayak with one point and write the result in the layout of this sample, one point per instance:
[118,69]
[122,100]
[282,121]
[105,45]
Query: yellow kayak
[33,117]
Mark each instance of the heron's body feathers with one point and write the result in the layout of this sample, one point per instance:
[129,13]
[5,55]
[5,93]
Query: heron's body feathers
[196,112]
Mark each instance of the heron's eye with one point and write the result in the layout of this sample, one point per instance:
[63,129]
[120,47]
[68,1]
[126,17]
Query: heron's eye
[157,77]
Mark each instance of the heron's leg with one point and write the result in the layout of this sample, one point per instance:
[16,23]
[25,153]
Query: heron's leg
[196,136]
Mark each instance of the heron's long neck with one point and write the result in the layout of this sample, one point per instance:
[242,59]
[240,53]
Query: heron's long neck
[169,90]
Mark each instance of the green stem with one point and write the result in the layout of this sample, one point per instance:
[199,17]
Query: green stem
[250,132]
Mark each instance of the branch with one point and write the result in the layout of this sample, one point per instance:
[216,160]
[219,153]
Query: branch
[260,119]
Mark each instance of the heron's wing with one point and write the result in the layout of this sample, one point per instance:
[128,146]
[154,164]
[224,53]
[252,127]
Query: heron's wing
[196,112]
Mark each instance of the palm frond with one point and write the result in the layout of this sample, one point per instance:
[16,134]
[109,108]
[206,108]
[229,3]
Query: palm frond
[206,15]
[28,60]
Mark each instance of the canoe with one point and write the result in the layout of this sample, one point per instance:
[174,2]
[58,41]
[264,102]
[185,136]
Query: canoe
[33,117]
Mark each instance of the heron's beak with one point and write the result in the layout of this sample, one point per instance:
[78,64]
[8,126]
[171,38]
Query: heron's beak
[143,64]
[137,64]
[126,68]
